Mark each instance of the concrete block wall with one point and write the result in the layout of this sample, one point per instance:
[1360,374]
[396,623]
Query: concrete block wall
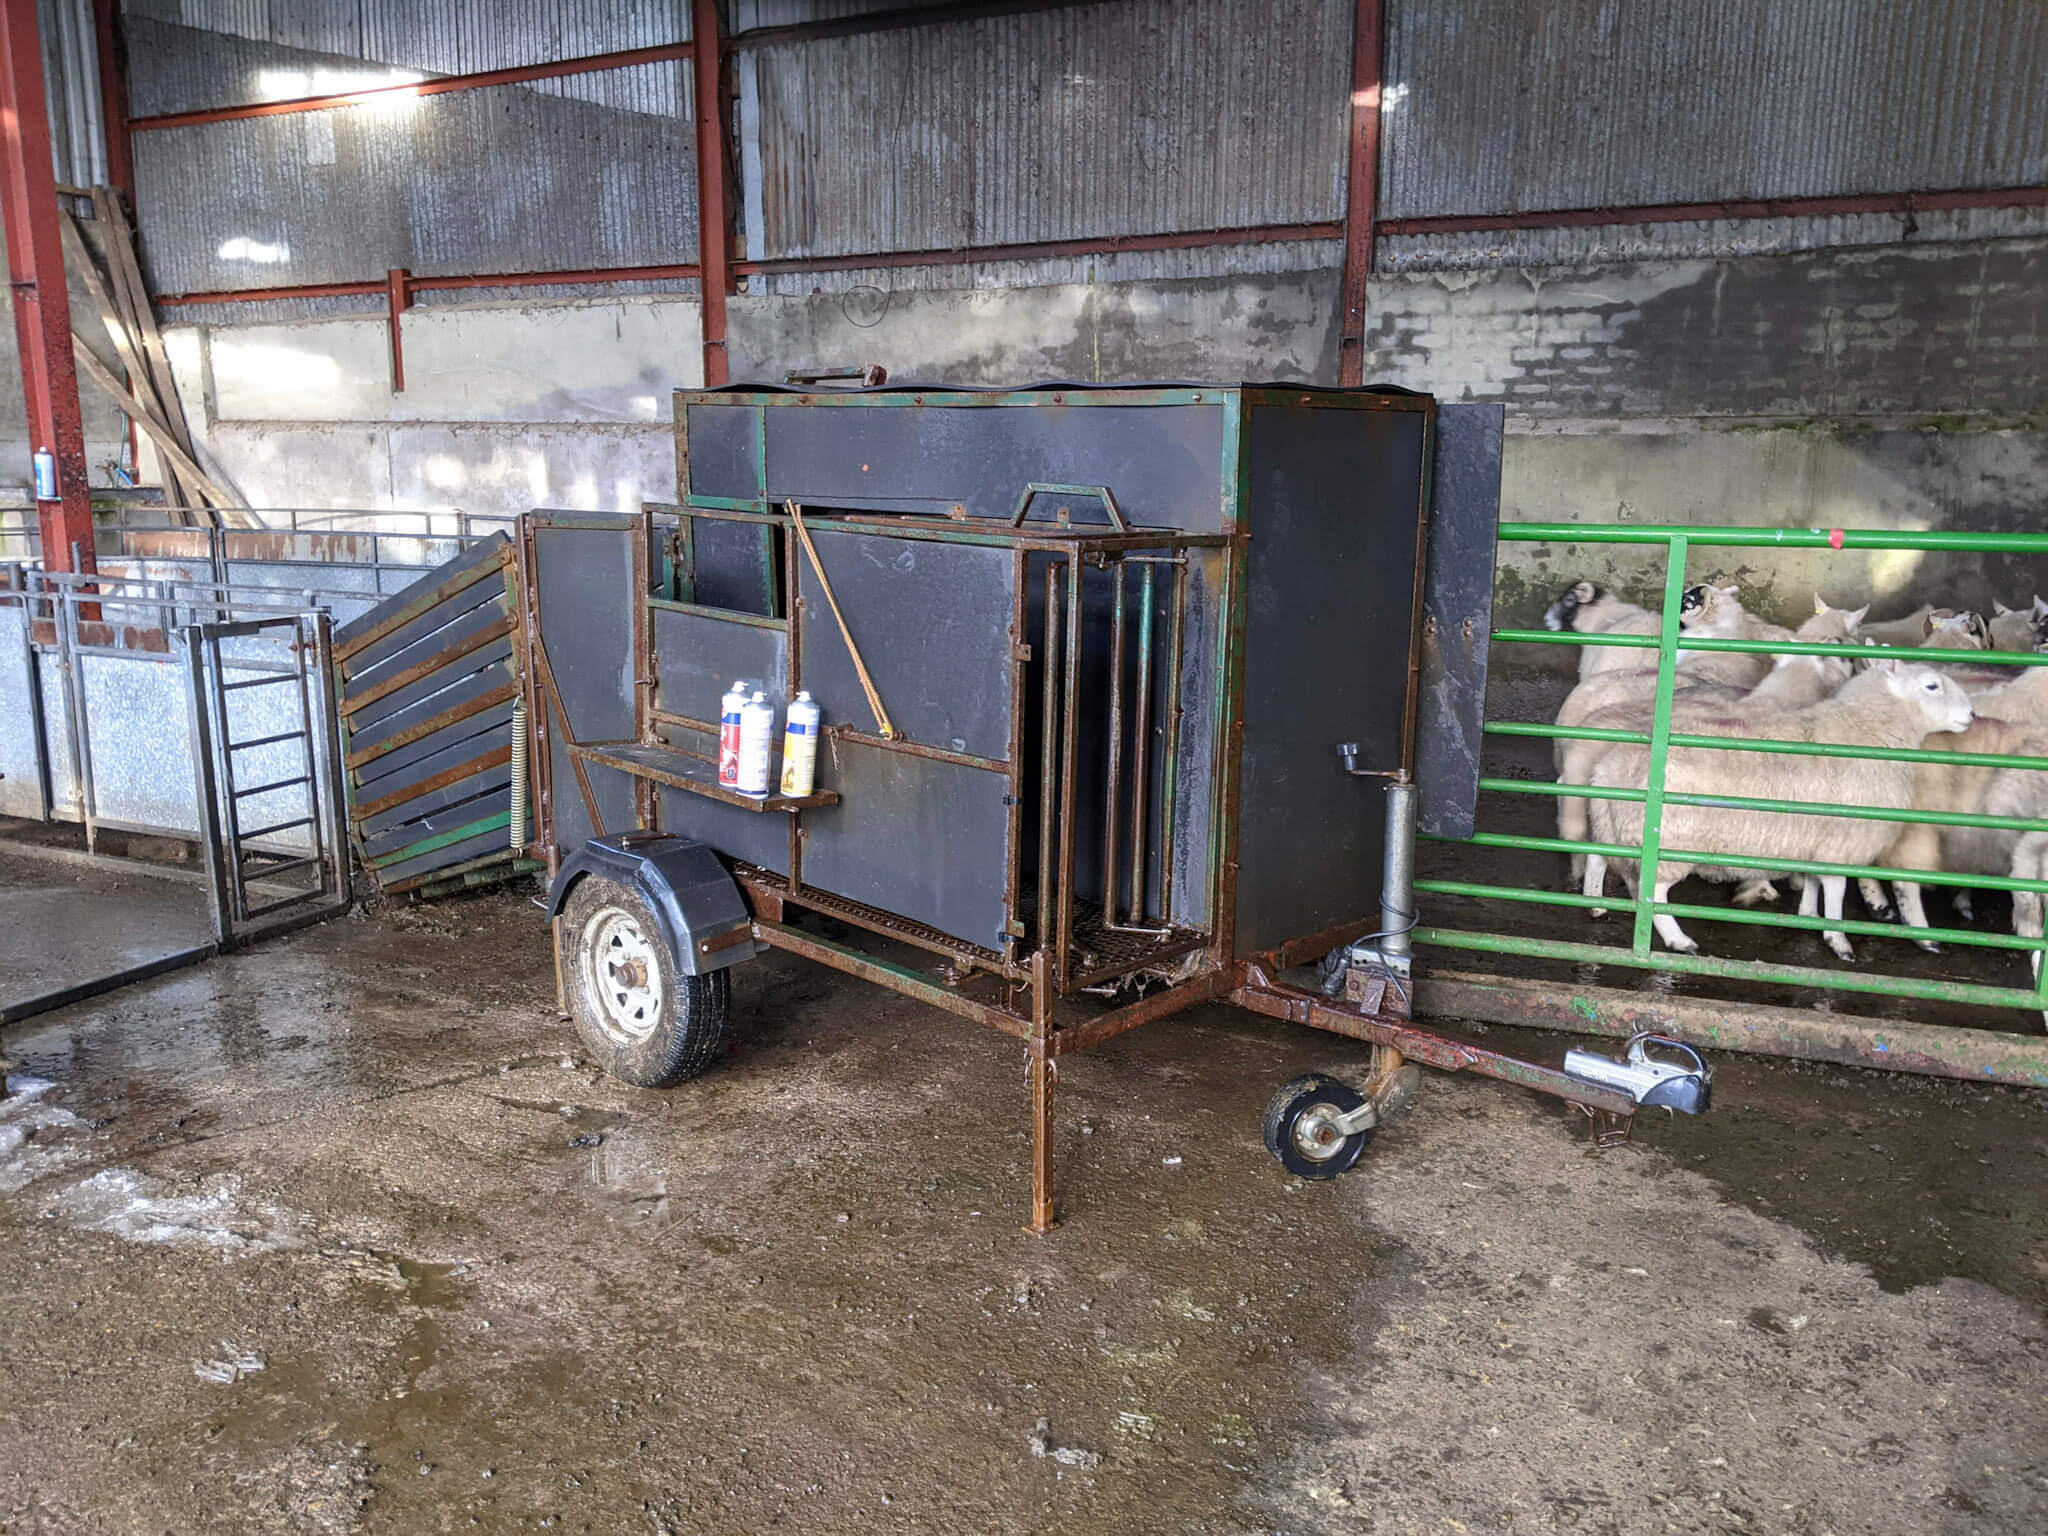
[1894,386]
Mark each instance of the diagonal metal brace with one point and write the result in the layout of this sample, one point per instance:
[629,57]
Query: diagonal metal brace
[882,724]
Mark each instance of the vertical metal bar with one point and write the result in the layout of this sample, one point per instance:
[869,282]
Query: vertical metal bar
[1070,734]
[708,50]
[1362,187]
[793,664]
[1113,772]
[80,717]
[1048,748]
[686,559]
[238,889]
[1141,715]
[1169,774]
[329,776]
[1042,1067]
[311,749]
[398,296]
[42,303]
[205,788]
[1020,653]
[1397,875]
[1660,742]
[113,61]
[38,720]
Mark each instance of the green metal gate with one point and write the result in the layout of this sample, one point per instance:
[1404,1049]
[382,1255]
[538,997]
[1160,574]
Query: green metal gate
[2018,1055]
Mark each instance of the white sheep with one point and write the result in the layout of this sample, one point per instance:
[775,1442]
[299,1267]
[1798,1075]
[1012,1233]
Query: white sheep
[1587,608]
[2019,629]
[1891,704]
[1715,612]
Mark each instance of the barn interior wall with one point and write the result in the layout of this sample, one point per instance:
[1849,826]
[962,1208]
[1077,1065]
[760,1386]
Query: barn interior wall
[1887,386]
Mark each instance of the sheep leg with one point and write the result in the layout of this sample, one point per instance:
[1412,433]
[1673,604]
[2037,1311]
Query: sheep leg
[1571,826]
[1913,908]
[1832,889]
[1754,893]
[1674,937]
[2027,923]
[1874,898]
[1964,903]
[1594,881]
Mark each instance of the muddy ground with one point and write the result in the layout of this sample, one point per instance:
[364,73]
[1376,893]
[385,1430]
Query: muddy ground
[342,1234]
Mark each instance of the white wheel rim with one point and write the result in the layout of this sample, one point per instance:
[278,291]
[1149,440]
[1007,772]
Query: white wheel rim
[1315,1137]
[621,977]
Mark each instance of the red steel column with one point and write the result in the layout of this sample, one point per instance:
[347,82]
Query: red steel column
[35,269]
[714,232]
[1362,188]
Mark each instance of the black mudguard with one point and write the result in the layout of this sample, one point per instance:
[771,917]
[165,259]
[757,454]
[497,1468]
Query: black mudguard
[692,897]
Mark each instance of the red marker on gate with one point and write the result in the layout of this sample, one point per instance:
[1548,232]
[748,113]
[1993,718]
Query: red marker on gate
[1834,538]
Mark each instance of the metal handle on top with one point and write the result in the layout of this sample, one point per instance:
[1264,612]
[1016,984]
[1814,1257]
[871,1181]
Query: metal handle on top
[1101,493]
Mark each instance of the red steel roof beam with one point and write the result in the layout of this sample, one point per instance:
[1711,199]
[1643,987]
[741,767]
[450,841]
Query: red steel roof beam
[42,305]
[714,219]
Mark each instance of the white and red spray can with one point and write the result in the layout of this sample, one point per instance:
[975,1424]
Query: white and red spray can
[729,709]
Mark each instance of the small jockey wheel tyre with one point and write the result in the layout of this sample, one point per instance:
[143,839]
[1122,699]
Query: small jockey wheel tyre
[640,1018]
[1301,1130]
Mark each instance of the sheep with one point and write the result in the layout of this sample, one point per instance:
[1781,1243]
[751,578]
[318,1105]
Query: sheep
[1890,704]
[2018,629]
[1588,608]
[1967,788]
[1909,629]
[1716,612]
[1619,701]
[1963,631]
[2029,862]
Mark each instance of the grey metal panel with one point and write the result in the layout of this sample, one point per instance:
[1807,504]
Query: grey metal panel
[138,714]
[20,794]
[725,451]
[1586,103]
[1163,463]
[461,689]
[584,579]
[1464,520]
[477,554]
[227,54]
[732,566]
[758,837]
[495,658]
[924,839]
[441,812]
[422,644]
[469,848]
[1157,115]
[932,624]
[438,185]
[494,783]
[1333,498]
[435,754]
[697,657]
[67,803]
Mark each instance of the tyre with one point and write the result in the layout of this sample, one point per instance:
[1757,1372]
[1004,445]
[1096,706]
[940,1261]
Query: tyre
[644,1022]
[1300,1129]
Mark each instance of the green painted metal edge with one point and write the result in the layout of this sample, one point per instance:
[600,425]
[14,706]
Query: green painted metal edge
[1775,538]
[1979,1055]
[1765,744]
[441,840]
[723,615]
[1732,970]
[1778,648]
[1078,395]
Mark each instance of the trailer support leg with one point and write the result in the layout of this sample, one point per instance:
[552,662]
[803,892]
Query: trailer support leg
[1042,1068]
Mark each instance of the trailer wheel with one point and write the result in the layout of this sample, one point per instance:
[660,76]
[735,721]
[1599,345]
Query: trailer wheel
[1300,1132]
[643,1021]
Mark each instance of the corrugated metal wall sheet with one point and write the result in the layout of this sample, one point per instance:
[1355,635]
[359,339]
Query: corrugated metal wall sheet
[71,83]
[1496,108]
[502,179]
[1124,118]
[187,55]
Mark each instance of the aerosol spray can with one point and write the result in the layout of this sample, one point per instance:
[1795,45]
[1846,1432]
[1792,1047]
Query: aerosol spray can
[729,735]
[800,747]
[46,475]
[757,744]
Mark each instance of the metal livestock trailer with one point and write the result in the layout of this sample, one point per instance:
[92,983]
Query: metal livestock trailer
[1133,700]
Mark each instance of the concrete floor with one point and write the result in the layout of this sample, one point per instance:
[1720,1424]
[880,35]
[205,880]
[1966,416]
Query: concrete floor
[340,1235]
[66,918]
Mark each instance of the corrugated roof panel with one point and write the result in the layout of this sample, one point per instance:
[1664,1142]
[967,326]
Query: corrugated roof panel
[1131,117]
[190,56]
[503,179]
[1599,103]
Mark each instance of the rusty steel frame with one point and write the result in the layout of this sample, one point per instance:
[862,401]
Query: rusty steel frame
[712,103]
[42,303]
[1362,185]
